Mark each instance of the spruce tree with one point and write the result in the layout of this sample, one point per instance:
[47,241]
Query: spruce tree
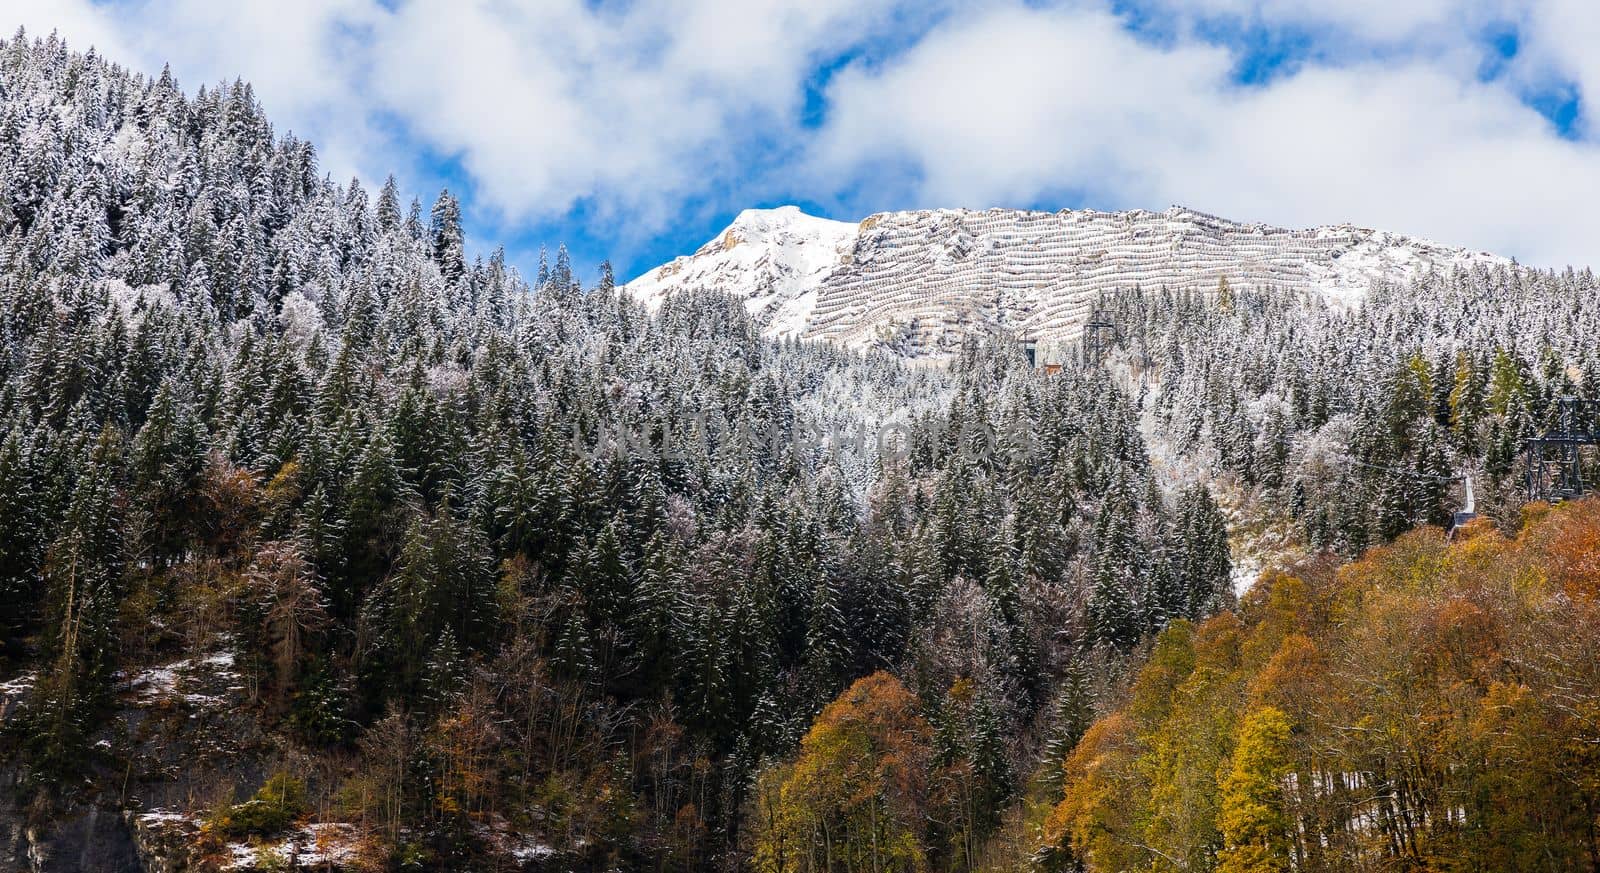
[446,238]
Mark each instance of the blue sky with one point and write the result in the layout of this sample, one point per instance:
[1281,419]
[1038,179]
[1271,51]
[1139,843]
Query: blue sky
[637,130]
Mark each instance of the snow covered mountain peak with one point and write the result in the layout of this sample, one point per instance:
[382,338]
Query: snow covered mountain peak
[920,281]
[775,259]
[778,219]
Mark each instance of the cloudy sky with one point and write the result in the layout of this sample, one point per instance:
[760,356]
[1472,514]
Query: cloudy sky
[636,129]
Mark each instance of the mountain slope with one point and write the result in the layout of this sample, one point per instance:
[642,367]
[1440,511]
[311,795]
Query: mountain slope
[328,548]
[920,281]
[775,259]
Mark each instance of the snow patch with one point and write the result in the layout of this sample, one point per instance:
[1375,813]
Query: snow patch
[314,846]
[19,686]
[160,684]
[1255,542]
[164,818]
[532,852]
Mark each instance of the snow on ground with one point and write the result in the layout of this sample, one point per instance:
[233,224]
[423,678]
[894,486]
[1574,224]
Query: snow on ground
[1256,541]
[532,852]
[510,843]
[314,846]
[156,682]
[13,691]
[164,817]
[18,686]
[1383,256]
[201,683]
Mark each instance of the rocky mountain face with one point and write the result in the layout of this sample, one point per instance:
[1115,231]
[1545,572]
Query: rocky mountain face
[920,281]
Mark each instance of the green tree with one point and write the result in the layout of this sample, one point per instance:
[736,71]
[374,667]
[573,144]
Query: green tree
[1205,566]
[82,581]
[165,463]
[1507,388]
[446,581]
[1074,712]
[446,237]
[1466,402]
[1111,618]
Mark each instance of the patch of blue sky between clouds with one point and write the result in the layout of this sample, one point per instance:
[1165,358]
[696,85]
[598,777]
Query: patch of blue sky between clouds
[1558,100]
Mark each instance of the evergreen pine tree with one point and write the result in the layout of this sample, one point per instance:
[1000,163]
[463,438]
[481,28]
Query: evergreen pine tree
[446,237]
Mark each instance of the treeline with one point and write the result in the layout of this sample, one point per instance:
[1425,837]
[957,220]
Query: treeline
[1432,706]
[247,409]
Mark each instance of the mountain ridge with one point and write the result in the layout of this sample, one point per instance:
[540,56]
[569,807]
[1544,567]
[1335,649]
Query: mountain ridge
[918,281]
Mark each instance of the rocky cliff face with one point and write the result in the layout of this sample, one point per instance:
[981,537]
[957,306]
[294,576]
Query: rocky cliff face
[181,736]
[82,837]
[921,281]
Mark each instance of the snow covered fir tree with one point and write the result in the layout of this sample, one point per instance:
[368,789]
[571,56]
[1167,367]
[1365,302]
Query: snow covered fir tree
[326,545]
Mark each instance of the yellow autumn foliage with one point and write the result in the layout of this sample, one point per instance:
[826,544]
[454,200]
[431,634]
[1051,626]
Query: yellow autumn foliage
[1432,705]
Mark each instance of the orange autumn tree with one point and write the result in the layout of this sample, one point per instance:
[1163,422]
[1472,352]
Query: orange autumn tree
[1431,706]
[854,798]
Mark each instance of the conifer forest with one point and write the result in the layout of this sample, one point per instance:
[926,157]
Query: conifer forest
[327,544]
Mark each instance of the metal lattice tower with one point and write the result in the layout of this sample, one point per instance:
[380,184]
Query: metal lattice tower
[1099,335]
[1555,464]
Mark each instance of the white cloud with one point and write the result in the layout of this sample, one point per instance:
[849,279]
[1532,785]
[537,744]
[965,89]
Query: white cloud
[77,20]
[636,110]
[997,107]
[1012,104]
[1562,37]
[1409,149]
[631,108]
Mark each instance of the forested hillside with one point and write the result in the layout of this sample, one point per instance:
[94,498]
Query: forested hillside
[326,543]
[1432,706]
[487,562]
[1360,424]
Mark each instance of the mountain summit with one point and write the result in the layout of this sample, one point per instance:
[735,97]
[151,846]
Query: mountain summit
[919,281]
[775,259]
